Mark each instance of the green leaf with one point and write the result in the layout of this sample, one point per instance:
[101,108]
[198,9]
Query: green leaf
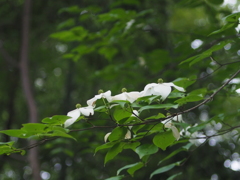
[157,128]
[117,134]
[61,134]
[176,95]
[136,128]
[71,9]
[36,128]
[159,106]
[120,113]
[131,145]
[166,168]
[198,127]
[105,146]
[113,151]
[173,176]
[116,178]
[164,139]
[158,116]
[126,167]
[146,149]
[68,23]
[189,98]
[122,103]
[16,133]
[101,109]
[162,170]
[7,148]
[55,120]
[184,148]
[147,99]
[134,168]
[108,52]
[224,28]
[185,82]
[206,53]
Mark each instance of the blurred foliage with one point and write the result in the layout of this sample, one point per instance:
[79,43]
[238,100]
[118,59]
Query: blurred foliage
[79,47]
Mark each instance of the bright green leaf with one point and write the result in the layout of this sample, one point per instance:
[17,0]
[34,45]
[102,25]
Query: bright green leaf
[159,106]
[164,139]
[120,114]
[146,149]
[117,134]
[114,151]
[55,120]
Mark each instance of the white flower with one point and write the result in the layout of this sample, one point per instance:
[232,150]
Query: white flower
[86,111]
[127,96]
[162,89]
[92,102]
[128,135]
[168,124]
[175,131]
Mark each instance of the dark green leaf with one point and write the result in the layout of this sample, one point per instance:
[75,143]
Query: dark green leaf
[115,178]
[134,168]
[173,176]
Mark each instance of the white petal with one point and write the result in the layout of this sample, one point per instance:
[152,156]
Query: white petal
[106,136]
[121,96]
[173,85]
[107,95]
[148,90]
[168,124]
[175,132]
[91,102]
[178,118]
[87,111]
[128,135]
[74,116]
[132,96]
[136,113]
[162,90]
[149,86]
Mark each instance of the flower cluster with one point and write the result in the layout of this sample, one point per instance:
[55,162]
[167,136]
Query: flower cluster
[160,89]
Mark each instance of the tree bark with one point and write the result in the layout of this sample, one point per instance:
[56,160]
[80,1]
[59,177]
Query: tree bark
[26,85]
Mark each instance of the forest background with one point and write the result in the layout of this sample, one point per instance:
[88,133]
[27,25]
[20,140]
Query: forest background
[54,55]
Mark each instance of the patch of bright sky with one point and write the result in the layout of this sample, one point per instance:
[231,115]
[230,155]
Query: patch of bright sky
[196,43]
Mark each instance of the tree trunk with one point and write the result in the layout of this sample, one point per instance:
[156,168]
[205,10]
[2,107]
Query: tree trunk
[26,85]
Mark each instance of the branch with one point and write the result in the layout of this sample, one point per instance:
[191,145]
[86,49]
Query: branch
[153,121]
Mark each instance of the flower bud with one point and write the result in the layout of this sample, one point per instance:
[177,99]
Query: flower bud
[78,106]
[160,81]
[124,90]
[100,91]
